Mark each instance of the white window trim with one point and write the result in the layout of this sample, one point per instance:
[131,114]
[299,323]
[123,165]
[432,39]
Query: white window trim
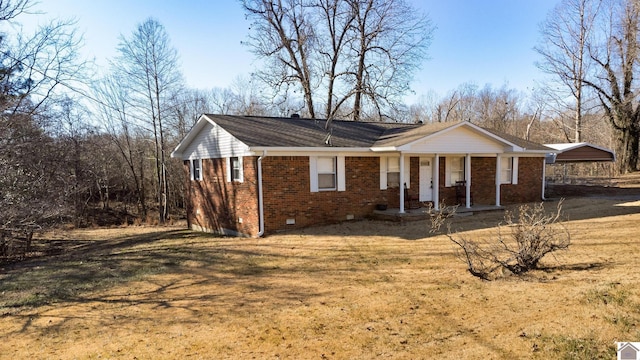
[389,160]
[340,173]
[447,176]
[513,179]
[192,164]
[230,170]
[384,166]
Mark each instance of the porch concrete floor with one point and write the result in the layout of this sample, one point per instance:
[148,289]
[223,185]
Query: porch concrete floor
[422,213]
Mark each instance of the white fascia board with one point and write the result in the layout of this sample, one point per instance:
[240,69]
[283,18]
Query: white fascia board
[385,149]
[309,151]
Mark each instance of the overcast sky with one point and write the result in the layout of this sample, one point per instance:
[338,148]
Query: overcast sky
[484,42]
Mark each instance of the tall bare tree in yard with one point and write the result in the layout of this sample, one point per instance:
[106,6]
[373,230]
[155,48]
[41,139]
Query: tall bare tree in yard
[592,44]
[124,132]
[566,34]
[148,65]
[390,42]
[616,57]
[283,33]
[360,53]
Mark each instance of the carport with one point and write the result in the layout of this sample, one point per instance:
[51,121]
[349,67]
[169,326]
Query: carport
[571,153]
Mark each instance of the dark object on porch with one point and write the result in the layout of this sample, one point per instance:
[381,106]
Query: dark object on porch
[461,193]
[381,207]
[411,201]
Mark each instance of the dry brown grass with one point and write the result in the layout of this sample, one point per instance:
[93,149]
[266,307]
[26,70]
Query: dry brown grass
[353,291]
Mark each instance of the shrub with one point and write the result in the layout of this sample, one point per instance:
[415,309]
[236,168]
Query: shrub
[523,239]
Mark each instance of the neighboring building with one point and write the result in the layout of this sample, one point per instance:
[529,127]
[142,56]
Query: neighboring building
[255,175]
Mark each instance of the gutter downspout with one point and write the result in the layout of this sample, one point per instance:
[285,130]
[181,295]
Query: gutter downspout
[544,176]
[260,196]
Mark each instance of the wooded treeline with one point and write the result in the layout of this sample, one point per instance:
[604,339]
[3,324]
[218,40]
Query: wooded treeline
[68,148]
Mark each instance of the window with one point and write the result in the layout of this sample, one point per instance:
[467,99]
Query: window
[196,169]
[506,170]
[234,169]
[326,173]
[456,169]
[390,171]
[509,170]
[393,172]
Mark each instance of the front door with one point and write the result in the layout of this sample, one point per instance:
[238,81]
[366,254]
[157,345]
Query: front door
[426,180]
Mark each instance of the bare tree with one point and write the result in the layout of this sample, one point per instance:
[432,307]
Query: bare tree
[283,34]
[186,108]
[390,42]
[148,65]
[496,109]
[566,34]
[34,166]
[247,99]
[123,130]
[362,53]
[616,57]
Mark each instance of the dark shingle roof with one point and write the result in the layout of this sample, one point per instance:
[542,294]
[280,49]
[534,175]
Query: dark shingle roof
[526,144]
[299,132]
[258,131]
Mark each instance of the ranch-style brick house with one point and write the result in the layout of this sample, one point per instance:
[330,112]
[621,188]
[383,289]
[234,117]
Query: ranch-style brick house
[251,176]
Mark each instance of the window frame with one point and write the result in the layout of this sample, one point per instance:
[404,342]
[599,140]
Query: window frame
[195,167]
[513,175]
[236,169]
[230,169]
[459,172]
[506,172]
[333,173]
[395,160]
[339,170]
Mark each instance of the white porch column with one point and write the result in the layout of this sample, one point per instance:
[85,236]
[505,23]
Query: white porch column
[436,182]
[401,188]
[467,178]
[498,172]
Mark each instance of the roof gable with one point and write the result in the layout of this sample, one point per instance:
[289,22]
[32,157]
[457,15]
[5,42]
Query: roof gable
[208,140]
[459,139]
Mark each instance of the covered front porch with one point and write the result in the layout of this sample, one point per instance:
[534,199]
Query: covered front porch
[470,181]
[423,213]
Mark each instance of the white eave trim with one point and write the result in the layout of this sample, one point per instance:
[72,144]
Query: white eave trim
[384,149]
[307,149]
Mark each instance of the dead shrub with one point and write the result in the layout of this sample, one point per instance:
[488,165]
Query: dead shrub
[522,240]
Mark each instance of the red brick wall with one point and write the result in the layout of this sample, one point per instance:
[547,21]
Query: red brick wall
[529,187]
[215,204]
[483,188]
[287,193]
